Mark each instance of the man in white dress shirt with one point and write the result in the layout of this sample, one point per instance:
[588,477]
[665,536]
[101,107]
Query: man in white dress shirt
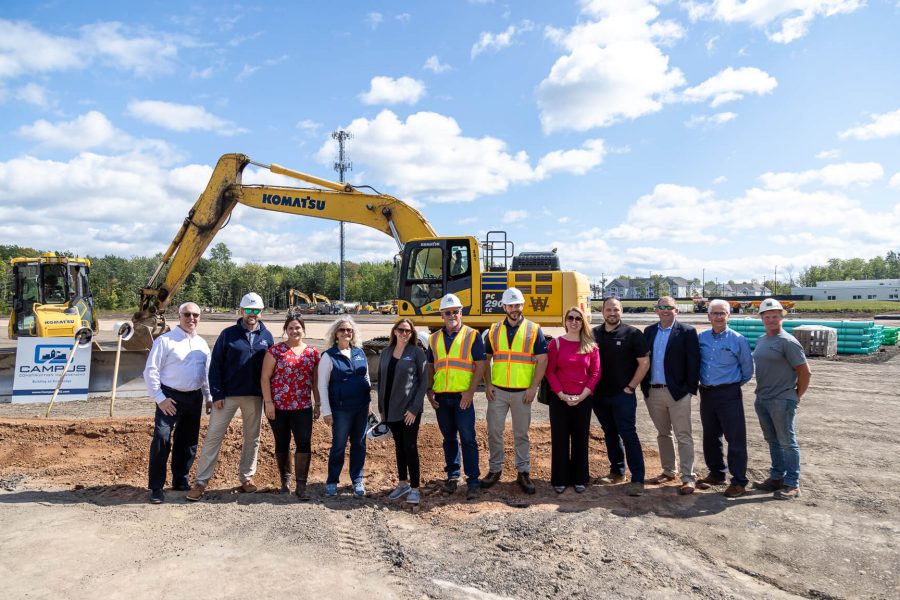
[176,378]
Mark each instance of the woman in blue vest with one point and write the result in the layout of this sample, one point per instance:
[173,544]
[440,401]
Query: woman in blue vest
[343,381]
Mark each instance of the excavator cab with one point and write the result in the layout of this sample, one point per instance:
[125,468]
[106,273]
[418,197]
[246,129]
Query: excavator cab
[51,297]
[434,267]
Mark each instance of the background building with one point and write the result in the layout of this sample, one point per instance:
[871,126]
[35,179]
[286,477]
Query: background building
[853,289]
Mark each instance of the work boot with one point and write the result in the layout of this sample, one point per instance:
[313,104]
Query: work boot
[769,485]
[196,492]
[490,479]
[283,460]
[301,472]
[524,481]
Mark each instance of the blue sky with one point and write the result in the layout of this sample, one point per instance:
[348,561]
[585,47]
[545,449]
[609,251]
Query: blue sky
[635,136]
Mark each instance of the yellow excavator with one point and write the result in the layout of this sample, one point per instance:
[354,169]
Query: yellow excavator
[304,309]
[430,265]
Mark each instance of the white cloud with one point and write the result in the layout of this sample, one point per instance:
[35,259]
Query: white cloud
[387,90]
[499,41]
[832,154]
[424,156]
[180,117]
[308,125]
[882,126]
[403,18]
[895,181]
[90,130]
[25,49]
[514,216]
[614,69]
[731,84]
[838,175]
[434,65]
[714,120]
[671,212]
[374,19]
[711,44]
[35,94]
[144,55]
[790,18]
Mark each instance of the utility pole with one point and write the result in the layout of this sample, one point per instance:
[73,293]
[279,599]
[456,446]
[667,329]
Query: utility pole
[341,165]
[775,282]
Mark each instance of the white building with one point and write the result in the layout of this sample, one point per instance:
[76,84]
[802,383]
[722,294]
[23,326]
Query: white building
[853,289]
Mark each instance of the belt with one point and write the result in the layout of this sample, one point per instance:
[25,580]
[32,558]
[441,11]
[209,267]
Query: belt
[721,385]
[657,385]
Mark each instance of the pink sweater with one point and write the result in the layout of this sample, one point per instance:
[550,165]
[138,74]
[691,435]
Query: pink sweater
[570,372]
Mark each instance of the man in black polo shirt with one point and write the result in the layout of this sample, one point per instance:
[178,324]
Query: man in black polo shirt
[624,360]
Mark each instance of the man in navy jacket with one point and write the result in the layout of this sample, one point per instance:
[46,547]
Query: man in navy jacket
[668,387]
[234,381]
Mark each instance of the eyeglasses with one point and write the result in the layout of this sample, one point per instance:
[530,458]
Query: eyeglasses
[449,313]
[190,315]
[665,307]
[345,329]
[719,314]
[403,331]
[575,318]
[252,311]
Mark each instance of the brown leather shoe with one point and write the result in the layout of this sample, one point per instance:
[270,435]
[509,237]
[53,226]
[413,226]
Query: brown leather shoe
[196,492]
[704,483]
[788,493]
[248,487]
[611,478]
[733,491]
[490,479]
[686,488]
[660,479]
[769,485]
[524,481]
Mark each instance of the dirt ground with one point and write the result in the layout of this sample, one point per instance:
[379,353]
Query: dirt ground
[75,522]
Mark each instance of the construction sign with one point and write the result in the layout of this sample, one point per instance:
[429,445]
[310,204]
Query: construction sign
[39,364]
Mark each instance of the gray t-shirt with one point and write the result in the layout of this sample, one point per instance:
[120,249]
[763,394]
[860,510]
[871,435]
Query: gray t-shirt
[776,357]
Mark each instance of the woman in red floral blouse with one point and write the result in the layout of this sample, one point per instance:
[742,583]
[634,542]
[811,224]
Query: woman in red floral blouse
[291,400]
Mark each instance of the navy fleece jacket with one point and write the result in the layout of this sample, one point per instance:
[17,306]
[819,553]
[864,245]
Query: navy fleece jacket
[236,363]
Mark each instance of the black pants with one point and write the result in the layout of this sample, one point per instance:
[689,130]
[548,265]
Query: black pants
[406,439]
[722,414]
[182,429]
[570,427]
[296,422]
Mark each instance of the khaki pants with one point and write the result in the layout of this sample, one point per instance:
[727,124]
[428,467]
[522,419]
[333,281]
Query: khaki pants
[497,408]
[219,419]
[669,415]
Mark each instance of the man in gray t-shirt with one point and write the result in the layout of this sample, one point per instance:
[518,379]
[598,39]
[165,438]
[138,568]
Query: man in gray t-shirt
[782,377]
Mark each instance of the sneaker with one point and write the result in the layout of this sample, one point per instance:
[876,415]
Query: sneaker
[331,489]
[734,491]
[580,488]
[788,493]
[559,489]
[611,478]
[157,497]
[196,492]
[401,490]
[769,485]
[661,479]
[450,486]
[473,493]
[413,497]
[635,488]
[704,483]
[490,479]
[359,489]
[524,481]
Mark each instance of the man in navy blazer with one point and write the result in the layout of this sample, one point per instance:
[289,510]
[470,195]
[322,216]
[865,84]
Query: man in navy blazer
[668,387]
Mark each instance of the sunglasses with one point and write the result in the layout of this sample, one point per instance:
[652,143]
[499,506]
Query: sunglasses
[719,314]
[345,329]
[252,311]
[575,318]
[665,307]
[190,315]
[449,313]
[403,331]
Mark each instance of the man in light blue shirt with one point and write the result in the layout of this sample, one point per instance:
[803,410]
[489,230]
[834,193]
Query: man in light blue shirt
[725,365]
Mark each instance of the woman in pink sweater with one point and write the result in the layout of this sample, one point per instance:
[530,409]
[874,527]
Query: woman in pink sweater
[573,370]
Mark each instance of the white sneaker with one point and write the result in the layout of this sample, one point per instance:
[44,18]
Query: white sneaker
[401,490]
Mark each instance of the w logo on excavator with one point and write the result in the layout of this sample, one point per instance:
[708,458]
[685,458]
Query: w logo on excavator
[539,304]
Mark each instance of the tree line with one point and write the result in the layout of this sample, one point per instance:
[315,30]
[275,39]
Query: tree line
[217,281]
[837,269]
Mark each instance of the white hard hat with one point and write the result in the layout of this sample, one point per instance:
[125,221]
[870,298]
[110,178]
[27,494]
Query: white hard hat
[770,304]
[252,300]
[377,430]
[450,301]
[512,296]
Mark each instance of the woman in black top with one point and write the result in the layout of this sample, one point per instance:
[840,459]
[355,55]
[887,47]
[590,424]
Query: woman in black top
[401,393]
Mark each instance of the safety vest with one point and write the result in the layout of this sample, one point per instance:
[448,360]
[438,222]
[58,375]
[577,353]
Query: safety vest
[513,365]
[453,369]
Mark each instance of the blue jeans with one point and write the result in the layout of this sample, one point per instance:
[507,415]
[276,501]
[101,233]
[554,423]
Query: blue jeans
[457,423]
[348,424]
[776,418]
[617,415]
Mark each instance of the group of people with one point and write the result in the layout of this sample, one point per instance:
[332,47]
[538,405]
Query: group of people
[293,384]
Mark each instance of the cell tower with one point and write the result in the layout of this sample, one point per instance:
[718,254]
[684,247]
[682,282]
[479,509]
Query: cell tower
[341,165]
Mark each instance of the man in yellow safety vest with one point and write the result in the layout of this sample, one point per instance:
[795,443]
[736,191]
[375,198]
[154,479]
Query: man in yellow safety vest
[517,352]
[456,361]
